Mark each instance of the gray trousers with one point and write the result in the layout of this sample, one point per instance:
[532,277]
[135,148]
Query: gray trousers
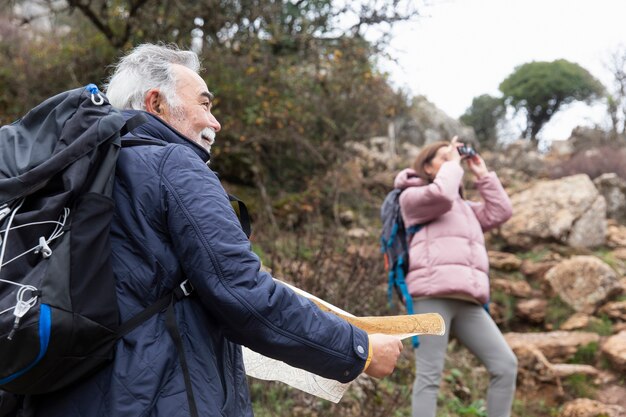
[476,330]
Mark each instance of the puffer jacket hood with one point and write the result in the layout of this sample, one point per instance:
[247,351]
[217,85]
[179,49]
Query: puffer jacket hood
[407,178]
[447,257]
[173,221]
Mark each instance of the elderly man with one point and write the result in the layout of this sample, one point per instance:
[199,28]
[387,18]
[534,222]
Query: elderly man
[173,221]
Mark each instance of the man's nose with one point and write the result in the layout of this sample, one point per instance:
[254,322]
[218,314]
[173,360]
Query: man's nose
[214,124]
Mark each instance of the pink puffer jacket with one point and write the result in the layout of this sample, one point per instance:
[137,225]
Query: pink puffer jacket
[447,257]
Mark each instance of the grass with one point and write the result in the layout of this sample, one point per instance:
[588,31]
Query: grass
[607,256]
[579,386]
[603,326]
[507,302]
[586,354]
[534,256]
[534,408]
[557,312]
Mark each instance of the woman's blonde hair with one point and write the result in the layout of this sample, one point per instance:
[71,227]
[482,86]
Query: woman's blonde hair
[426,156]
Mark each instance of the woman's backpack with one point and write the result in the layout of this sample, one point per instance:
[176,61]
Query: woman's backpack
[394,240]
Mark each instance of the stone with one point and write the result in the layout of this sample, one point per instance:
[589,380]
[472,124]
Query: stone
[568,210]
[612,394]
[533,310]
[615,310]
[613,189]
[504,261]
[519,289]
[536,270]
[347,217]
[620,253]
[584,407]
[614,348]
[358,233]
[558,346]
[616,236]
[590,229]
[583,282]
[576,322]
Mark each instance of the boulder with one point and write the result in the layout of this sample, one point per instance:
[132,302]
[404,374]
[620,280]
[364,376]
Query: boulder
[569,210]
[558,346]
[584,407]
[583,282]
[614,348]
[613,188]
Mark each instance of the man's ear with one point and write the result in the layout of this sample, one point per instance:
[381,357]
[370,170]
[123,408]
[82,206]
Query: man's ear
[154,102]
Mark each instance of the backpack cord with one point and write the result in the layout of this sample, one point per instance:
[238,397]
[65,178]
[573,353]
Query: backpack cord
[23,288]
[41,247]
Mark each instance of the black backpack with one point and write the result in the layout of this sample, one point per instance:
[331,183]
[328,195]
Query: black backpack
[59,318]
[394,239]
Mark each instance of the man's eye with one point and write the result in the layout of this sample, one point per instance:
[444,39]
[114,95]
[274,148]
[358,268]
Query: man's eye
[207,105]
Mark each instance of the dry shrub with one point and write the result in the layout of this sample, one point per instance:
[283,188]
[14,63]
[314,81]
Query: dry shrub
[593,162]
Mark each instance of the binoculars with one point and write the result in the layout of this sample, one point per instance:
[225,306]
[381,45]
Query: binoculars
[466,150]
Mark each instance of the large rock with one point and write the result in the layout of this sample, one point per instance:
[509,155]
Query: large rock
[584,407]
[569,210]
[583,282]
[613,188]
[557,346]
[615,349]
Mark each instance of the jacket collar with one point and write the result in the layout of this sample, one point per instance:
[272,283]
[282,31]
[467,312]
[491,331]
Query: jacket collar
[156,128]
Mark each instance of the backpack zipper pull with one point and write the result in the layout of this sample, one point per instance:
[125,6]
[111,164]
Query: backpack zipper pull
[21,308]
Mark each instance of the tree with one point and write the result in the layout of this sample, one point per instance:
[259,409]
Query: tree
[617,100]
[483,115]
[540,89]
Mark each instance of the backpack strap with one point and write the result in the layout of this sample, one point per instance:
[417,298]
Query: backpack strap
[133,123]
[183,290]
[244,217]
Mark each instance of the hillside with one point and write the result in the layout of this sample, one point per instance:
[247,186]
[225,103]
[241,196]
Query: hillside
[558,282]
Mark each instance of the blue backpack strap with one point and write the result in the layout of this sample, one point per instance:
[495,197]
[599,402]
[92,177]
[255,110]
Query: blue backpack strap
[401,283]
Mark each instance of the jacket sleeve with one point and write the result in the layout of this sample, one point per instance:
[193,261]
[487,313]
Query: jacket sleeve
[253,310]
[425,203]
[496,207]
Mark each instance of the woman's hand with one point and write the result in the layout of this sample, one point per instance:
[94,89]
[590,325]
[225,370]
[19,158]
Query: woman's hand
[477,165]
[452,154]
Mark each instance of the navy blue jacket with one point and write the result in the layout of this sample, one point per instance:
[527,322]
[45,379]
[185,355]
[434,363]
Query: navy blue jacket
[173,221]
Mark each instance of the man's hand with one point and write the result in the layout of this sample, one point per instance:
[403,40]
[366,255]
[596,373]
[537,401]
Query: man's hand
[385,352]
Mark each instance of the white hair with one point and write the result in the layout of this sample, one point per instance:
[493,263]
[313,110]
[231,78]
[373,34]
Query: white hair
[146,67]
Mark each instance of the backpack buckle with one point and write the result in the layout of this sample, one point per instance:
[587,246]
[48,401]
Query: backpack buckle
[186,287]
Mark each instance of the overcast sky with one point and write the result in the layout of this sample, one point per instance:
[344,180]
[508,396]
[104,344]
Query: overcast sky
[460,49]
